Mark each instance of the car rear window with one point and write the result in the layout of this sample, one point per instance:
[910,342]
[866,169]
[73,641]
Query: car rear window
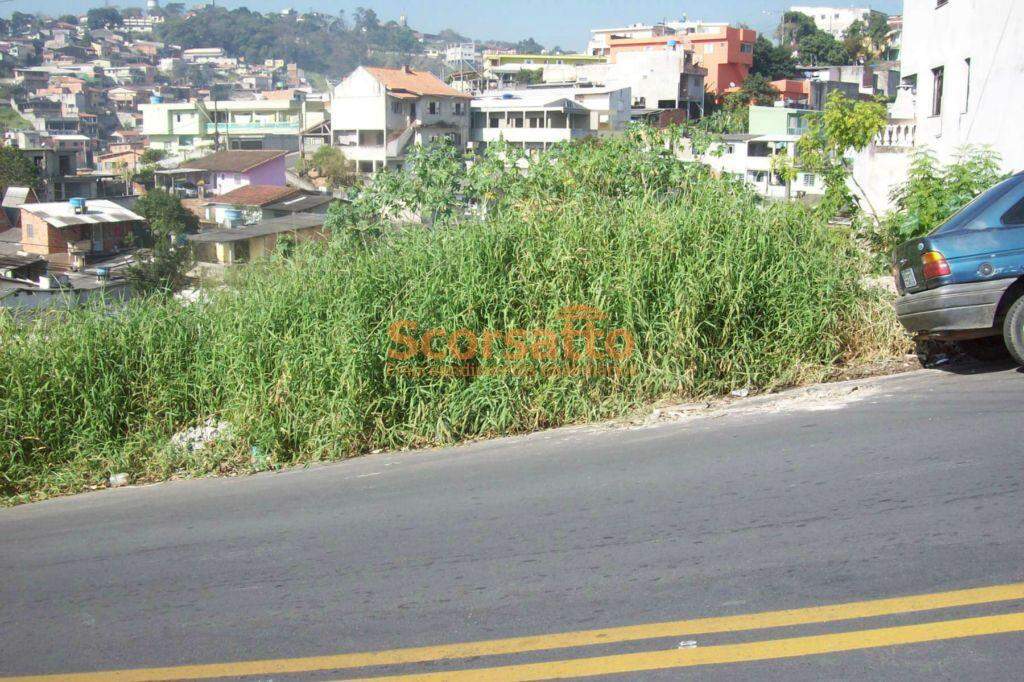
[1015,216]
[987,209]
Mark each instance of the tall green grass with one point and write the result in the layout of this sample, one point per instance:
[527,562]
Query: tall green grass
[718,290]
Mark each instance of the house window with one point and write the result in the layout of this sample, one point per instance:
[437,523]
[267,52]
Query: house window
[29,230]
[809,179]
[967,87]
[396,107]
[747,48]
[938,75]
[432,107]
[458,108]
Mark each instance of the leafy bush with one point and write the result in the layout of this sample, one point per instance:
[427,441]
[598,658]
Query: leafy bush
[717,289]
[934,192]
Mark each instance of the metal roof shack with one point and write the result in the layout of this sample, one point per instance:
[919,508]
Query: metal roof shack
[97,211]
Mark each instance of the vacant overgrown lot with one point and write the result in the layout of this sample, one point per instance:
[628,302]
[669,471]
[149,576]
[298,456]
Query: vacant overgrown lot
[716,290]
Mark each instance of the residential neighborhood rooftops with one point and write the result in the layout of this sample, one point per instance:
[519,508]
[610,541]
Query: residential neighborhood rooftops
[413,83]
[233,161]
[256,195]
[62,213]
[298,221]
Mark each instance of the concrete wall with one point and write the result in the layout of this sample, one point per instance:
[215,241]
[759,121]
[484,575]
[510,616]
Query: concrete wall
[982,105]
[359,103]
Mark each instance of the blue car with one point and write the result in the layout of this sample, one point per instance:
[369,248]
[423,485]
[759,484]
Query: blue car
[964,282]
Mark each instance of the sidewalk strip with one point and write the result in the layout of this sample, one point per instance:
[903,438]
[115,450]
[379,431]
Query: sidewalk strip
[515,645]
[734,653]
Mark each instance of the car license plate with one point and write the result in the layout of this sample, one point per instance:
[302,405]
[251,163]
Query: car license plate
[909,278]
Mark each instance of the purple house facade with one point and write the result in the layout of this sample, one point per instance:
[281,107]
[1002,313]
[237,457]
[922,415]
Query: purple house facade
[226,171]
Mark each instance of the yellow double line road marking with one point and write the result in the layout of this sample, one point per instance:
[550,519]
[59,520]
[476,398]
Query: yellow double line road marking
[516,645]
[733,653]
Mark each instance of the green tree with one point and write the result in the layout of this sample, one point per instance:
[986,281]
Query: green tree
[162,266]
[856,42]
[794,27]
[933,192]
[822,49]
[756,89]
[331,165]
[16,169]
[529,46]
[152,155]
[101,17]
[783,167]
[845,126]
[774,62]
[878,30]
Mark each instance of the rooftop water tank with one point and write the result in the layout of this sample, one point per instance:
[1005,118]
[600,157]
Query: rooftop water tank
[232,217]
[156,99]
[77,204]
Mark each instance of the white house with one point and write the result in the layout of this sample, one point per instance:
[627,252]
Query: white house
[963,75]
[749,157]
[377,113]
[537,118]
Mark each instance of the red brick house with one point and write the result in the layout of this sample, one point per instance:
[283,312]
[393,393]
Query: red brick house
[60,231]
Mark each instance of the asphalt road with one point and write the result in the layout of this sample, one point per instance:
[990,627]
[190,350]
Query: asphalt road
[909,485]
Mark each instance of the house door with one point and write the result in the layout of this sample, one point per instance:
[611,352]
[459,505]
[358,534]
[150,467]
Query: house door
[412,111]
[97,237]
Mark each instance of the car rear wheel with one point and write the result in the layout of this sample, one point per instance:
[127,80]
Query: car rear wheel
[1013,330]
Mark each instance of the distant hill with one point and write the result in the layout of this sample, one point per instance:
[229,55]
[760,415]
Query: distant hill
[332,45]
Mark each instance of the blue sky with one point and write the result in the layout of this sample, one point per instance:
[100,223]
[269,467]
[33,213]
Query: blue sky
[551,22]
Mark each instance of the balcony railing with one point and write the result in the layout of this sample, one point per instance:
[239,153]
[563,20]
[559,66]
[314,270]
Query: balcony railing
[897,136]
[254,127]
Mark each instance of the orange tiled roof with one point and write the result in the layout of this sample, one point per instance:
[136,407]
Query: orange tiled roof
[255,195]
[410,81]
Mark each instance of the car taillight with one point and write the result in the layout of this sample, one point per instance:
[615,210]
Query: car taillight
[935,265]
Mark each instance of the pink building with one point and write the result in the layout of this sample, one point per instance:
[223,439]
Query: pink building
[224,171]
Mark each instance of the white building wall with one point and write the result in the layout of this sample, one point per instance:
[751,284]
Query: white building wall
[981,105]
[834,20]
[358,103]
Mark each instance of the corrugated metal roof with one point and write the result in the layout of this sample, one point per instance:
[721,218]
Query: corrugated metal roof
[296,221]
[301,203]
[62,213]
[16,196]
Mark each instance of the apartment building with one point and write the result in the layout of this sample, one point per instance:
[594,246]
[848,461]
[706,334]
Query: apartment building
[188,128]
[962,80]
[377,113]
[726,53]
[503,69]
[662,79]
[601,38]
[537,118]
